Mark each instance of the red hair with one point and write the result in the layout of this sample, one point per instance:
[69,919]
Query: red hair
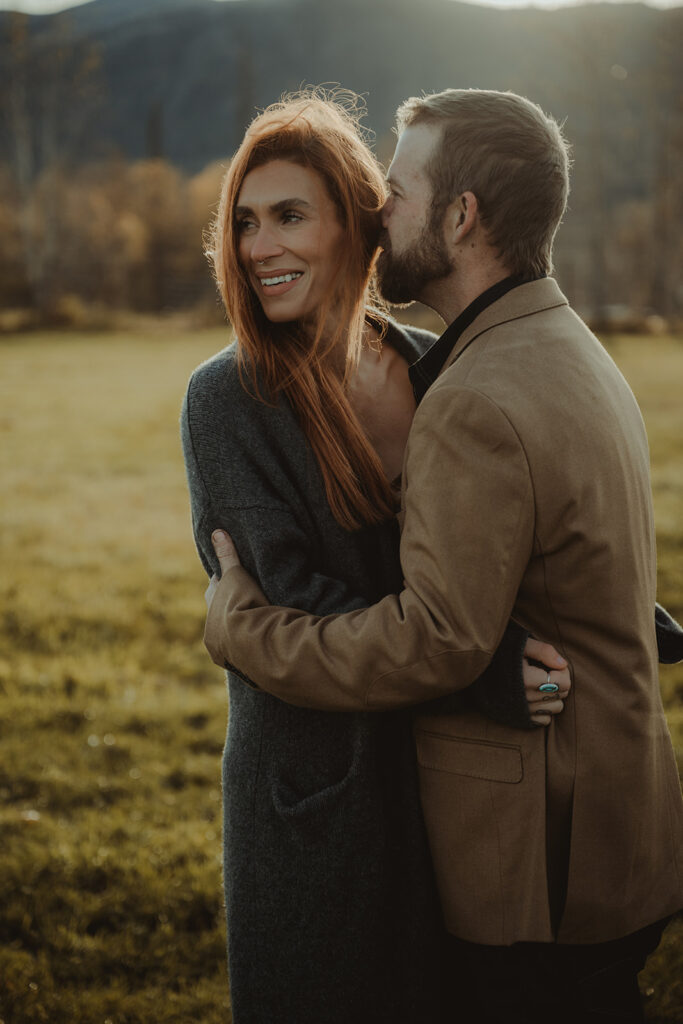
[321,133]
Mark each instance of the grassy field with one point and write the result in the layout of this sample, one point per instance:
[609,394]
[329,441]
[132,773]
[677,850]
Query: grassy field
[112,717]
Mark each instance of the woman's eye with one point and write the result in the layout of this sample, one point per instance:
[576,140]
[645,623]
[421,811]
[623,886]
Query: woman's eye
[244,225]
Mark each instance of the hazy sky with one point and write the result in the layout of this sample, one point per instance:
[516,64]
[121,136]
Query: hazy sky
[49,6]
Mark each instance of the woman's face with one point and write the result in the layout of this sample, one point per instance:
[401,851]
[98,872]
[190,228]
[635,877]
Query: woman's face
[289,237]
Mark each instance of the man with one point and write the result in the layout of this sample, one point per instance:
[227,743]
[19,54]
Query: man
[525,495]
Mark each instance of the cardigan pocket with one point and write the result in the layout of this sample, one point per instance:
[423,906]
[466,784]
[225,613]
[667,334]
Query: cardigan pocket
[291,805]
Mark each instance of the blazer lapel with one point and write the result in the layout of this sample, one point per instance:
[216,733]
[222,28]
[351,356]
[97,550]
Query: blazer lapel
[522,301]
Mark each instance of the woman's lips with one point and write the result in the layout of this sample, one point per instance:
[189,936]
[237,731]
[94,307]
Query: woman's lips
[277,283]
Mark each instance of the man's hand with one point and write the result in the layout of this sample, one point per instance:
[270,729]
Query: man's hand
[227,557]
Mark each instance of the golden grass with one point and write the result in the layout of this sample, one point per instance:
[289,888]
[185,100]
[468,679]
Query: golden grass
[654,368]
[112,717]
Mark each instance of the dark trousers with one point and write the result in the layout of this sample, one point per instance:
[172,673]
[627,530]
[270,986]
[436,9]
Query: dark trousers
[548,983]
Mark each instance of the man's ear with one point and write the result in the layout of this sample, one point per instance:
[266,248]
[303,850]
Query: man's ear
[462,217]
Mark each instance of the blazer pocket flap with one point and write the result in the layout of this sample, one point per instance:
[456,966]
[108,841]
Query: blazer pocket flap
[476,759]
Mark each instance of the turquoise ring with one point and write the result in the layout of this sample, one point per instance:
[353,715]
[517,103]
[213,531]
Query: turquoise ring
[548,688]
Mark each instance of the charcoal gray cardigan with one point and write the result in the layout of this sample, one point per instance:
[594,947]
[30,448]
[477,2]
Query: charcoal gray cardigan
[332,911]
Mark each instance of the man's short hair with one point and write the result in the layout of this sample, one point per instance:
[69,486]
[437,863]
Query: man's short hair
[511,155]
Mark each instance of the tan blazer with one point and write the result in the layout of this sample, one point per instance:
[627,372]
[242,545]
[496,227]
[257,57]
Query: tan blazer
[526,494]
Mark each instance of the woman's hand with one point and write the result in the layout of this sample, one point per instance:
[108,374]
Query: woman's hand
[227,557]
[546,685]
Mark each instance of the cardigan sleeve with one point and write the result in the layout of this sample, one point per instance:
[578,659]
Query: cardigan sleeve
[669,637]
[231,488]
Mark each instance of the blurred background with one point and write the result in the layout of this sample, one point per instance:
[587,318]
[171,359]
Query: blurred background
[118,117]
[117,121]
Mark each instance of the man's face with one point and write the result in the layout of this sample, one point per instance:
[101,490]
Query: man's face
[414,249]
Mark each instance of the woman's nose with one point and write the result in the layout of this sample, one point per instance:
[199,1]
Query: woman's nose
[265,245]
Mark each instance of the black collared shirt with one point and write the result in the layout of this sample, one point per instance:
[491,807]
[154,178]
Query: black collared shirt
[424,372]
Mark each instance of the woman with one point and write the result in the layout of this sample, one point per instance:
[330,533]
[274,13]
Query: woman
[291,438]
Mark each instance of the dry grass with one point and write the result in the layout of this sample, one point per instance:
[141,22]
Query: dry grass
[112,717]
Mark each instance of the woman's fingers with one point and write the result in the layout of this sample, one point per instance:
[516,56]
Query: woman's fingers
[542,719]
[546,680]
[542,712]
[536,650]
[546,690]
[541,682]
[551,707]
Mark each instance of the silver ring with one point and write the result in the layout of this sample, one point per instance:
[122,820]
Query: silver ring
[547,686]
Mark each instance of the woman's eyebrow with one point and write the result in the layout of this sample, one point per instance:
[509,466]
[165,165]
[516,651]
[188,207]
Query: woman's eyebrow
[279,207]
[285,204]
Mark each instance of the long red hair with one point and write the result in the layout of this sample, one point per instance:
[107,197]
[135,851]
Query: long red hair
[321,133]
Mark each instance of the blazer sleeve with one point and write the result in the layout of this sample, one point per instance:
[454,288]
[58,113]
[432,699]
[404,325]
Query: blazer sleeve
[465,544]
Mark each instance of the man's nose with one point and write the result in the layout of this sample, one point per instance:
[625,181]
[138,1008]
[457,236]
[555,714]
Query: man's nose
[385,212]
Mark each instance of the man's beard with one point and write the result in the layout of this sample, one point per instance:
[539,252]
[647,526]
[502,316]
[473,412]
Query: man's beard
[403,278]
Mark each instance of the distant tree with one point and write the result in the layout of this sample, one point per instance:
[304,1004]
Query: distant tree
[665,288]
[14,289]
[156,199]
[203,193]
[154,131]
[245,109]
[49,91]
[630,253]
[103,243]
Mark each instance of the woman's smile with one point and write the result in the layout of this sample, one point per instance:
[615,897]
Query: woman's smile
[278,282]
